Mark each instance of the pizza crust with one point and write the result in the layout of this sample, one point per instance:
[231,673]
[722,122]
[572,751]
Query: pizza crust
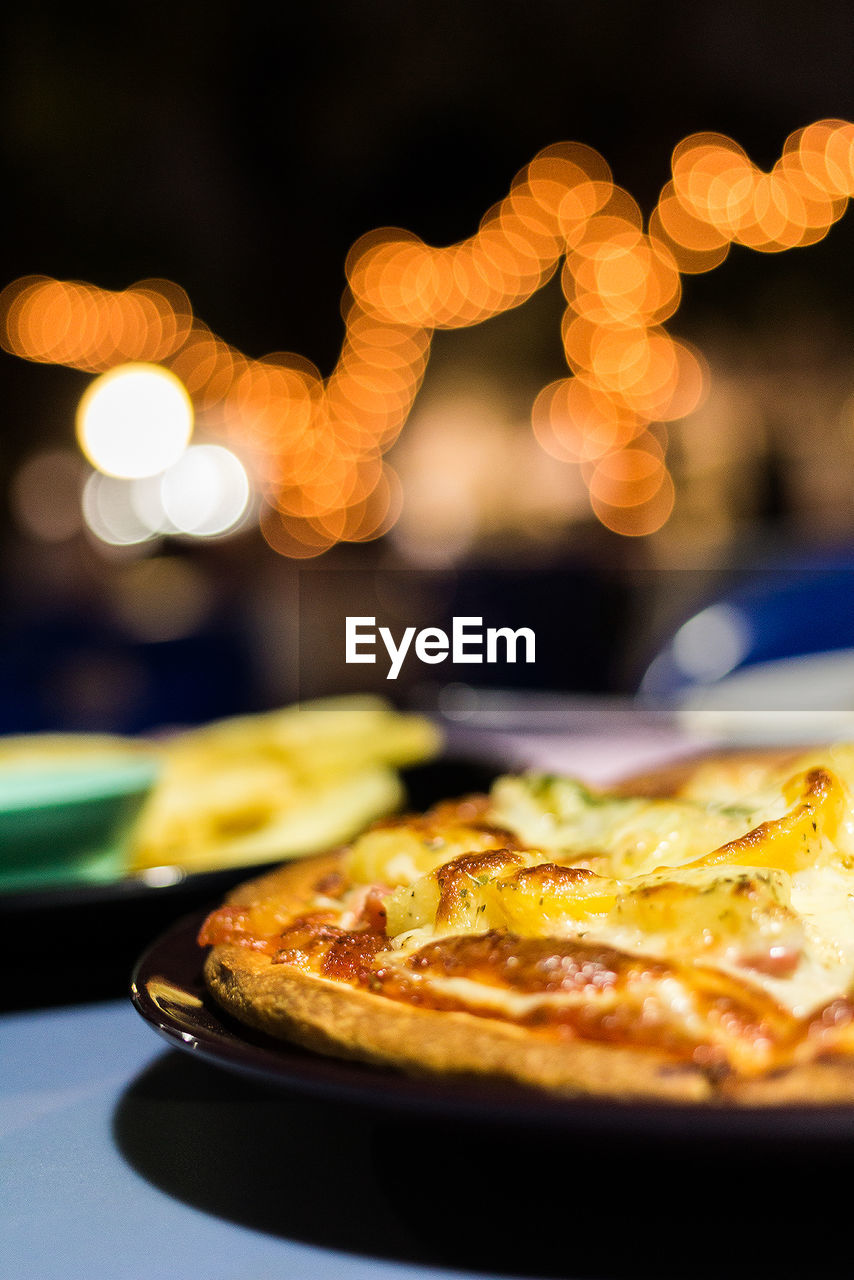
[345,1022]
[820,1083]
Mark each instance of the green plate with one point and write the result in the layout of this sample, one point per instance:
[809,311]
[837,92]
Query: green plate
[66,821]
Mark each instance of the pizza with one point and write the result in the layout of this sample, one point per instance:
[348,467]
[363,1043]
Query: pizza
[686,937]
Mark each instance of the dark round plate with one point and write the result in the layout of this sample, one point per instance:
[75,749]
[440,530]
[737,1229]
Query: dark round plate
[168,989]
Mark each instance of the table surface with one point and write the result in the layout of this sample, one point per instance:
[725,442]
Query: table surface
[124,1159]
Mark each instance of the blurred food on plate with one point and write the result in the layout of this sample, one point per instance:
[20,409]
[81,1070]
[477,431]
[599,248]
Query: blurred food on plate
[236,792]
[259,788]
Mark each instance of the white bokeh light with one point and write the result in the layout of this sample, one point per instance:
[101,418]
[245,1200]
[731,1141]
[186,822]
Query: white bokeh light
[109,512]
[147,501]
[713,642]
[134,421]
[206,492]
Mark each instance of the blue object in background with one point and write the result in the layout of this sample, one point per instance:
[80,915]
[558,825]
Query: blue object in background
[786,611]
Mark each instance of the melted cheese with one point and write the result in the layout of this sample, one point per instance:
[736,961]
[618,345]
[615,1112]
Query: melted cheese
[634,834]
[755,879]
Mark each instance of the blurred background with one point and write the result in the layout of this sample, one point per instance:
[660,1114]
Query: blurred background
[231,156]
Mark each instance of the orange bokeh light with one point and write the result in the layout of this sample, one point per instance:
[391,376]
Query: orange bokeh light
[76,324]
[716,185]
[317,445]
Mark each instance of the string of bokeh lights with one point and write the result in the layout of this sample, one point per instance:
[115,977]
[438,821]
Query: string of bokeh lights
[318,447]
